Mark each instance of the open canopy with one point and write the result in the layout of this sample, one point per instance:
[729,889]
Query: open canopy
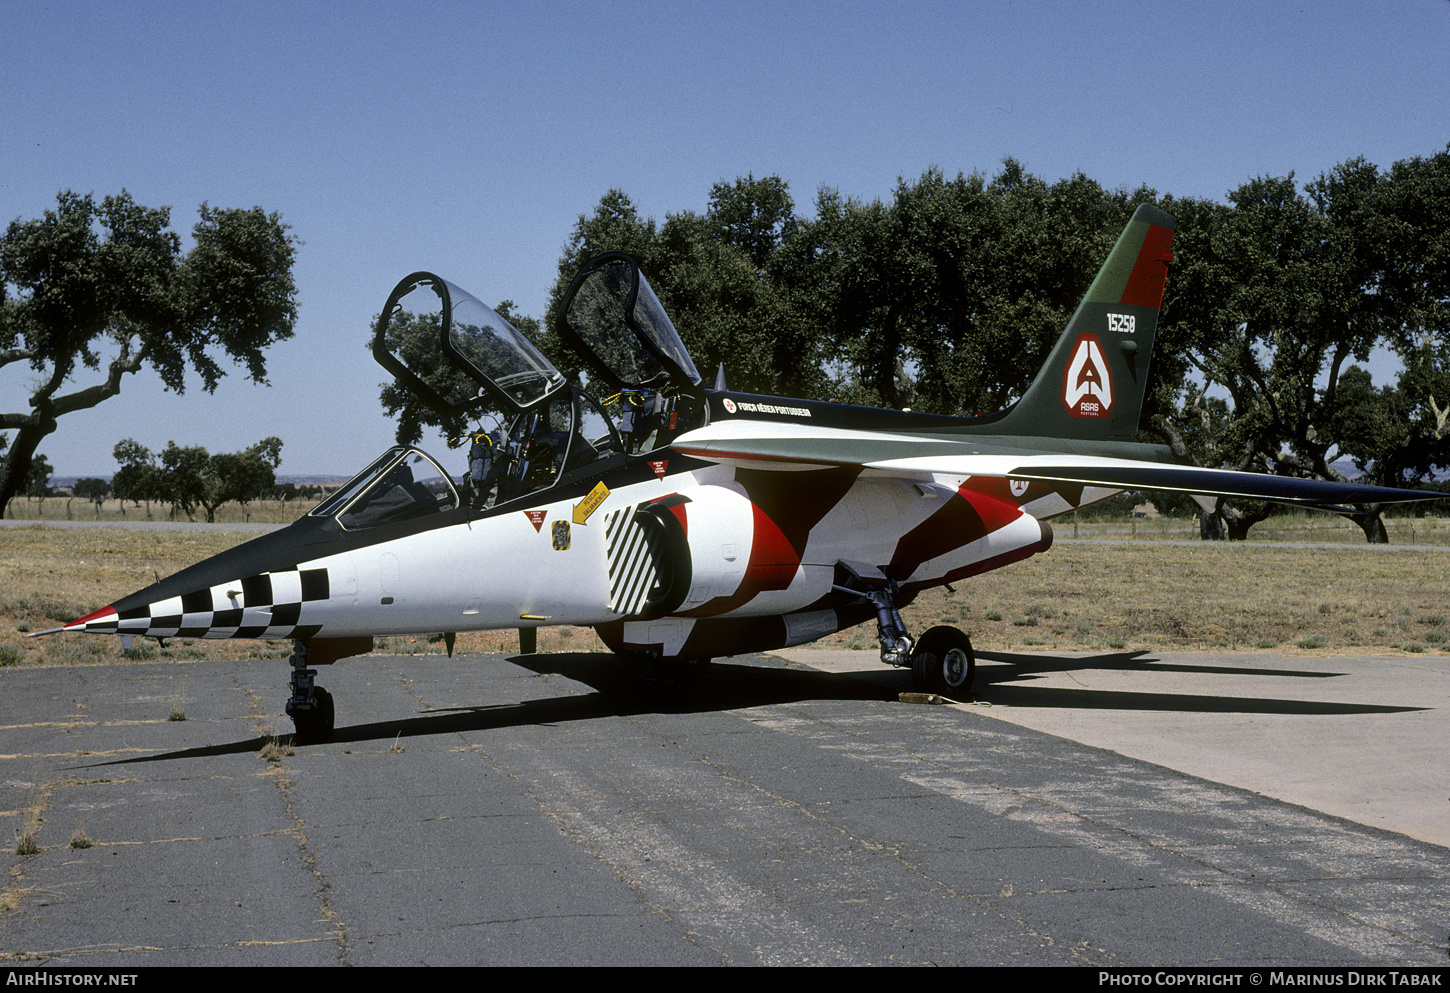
[463,360]
[456,354]
[615,322]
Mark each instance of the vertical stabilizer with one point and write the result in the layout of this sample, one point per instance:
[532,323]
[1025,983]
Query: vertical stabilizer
[1093,382]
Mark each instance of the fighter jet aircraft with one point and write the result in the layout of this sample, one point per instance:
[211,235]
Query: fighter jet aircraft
[682,522]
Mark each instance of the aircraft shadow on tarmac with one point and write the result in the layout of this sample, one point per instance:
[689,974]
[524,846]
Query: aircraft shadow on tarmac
[625,690]
[620,691]
[1010,685]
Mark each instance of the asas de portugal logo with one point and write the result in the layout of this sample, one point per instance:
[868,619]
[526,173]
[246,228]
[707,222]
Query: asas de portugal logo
[1087,388]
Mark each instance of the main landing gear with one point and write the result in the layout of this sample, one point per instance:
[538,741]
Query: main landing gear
[310,706]
[942,662]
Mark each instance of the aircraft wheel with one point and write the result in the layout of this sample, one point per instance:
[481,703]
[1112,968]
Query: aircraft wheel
[316,724]
[944,663]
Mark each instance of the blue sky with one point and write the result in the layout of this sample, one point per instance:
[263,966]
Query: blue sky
[467,138]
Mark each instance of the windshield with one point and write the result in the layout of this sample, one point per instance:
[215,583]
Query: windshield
[402,484]
[596,313]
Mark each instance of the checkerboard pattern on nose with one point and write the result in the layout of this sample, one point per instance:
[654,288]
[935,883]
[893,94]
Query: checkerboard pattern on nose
[265,606]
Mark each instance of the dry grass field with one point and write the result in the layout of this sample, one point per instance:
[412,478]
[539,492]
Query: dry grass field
[1141,586]
[69,508]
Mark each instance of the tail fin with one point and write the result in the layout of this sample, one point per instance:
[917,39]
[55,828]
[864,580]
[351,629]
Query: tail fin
[1093,382]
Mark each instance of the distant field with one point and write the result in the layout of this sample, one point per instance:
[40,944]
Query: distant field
[1203,596]
[66,508]
[1299,526]
[1145,592]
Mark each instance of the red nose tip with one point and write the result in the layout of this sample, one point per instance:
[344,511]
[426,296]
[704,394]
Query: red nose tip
[106,613]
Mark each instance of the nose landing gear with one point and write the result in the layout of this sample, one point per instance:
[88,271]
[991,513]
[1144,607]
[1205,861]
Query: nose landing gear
[310,706]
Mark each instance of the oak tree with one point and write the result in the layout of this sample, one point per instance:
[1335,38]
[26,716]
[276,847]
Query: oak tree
[97,291]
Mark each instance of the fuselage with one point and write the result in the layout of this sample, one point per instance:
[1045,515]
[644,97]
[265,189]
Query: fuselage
[650,549]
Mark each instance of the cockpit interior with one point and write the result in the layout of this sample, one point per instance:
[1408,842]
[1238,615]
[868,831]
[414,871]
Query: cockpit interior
[517,422]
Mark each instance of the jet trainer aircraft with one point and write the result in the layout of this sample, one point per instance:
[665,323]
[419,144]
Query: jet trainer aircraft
[681,522]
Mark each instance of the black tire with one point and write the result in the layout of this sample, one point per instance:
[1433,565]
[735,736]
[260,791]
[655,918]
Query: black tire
[326,712]
[316,724]
[944,663]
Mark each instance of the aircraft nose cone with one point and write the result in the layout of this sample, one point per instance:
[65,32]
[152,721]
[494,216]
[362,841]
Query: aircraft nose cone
[101,621]
[265,606]
[257,590]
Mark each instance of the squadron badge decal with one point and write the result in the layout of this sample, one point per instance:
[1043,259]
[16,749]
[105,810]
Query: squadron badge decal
[1087,389]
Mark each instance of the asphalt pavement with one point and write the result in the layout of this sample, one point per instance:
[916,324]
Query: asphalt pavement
[569,810]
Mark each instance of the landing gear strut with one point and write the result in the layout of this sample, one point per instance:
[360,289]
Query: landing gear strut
[942,662]
[896,644]
[310,706]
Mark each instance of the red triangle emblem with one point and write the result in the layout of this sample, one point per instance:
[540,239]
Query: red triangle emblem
[536,517]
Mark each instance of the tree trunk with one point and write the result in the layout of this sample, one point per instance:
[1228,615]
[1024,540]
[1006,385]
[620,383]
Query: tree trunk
[1227,523]
[1238,530]
[1211,526]
[1373,526]
[1239,522]
[15,466]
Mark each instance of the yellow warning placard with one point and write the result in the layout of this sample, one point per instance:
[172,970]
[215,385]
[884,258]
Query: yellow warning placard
[590,503]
